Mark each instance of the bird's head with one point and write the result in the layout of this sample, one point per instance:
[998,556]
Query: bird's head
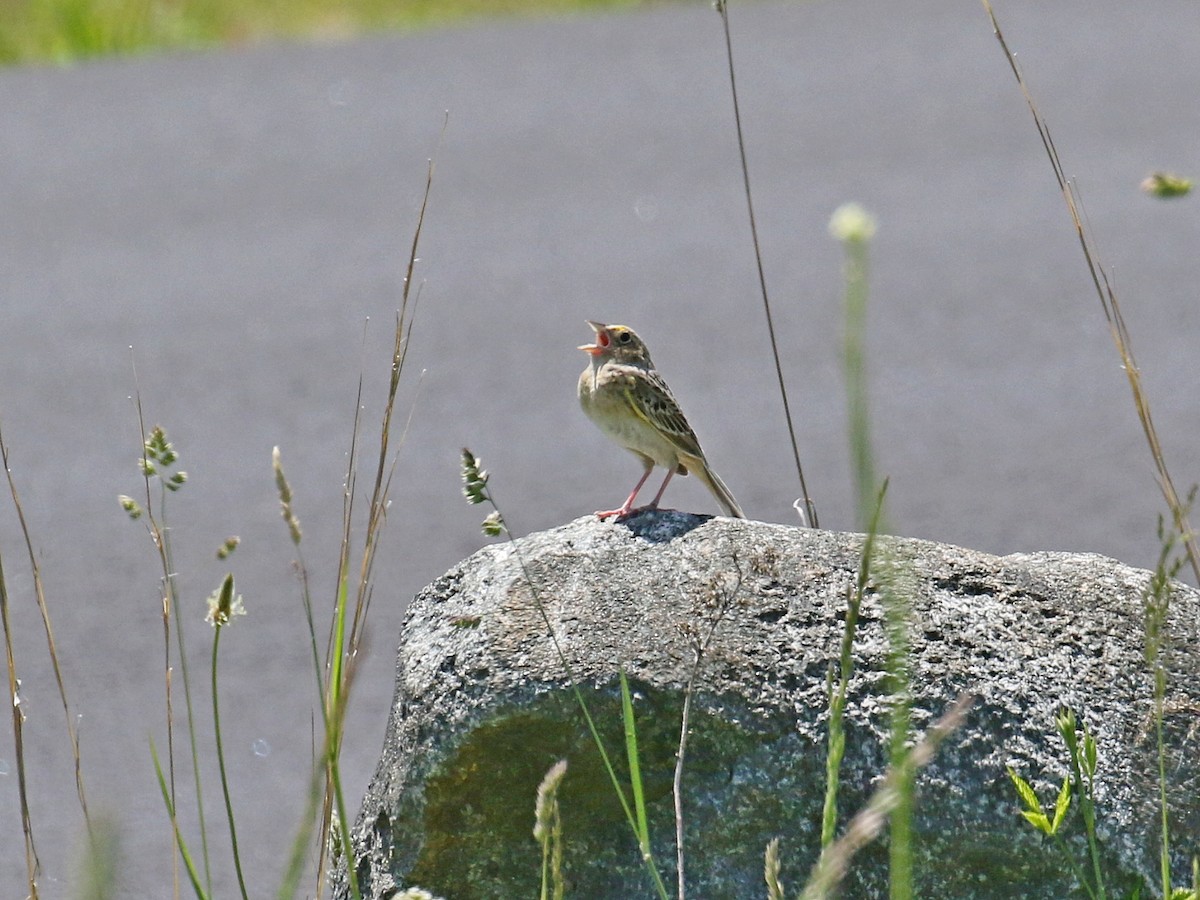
[617,342]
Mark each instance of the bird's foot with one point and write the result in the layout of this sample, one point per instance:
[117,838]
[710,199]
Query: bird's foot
[625,512]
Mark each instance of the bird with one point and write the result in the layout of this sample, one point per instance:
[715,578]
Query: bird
[622,392]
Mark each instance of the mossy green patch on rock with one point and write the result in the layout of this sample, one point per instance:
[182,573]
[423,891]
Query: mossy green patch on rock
[478,811]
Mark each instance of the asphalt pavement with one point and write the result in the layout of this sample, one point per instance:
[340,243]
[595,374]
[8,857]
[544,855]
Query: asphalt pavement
[236,225]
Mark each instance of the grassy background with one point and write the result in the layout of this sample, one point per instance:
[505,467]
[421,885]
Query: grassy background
[60,31]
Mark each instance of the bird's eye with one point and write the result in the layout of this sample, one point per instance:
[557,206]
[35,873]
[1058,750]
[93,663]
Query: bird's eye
[624,337]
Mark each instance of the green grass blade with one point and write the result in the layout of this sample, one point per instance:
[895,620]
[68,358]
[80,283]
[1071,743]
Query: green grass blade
[97,878]
[635,768]
[180,842]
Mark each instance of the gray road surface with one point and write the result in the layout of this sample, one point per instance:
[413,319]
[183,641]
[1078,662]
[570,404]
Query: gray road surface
[237,217]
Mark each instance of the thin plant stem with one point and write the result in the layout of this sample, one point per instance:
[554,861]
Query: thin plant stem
[32,864]
[1083,771]
[701,647]
[677,791]
[854,227]
[1156,604]
[838,694]
[237,858]
[193,729]
[333,774]
[43,608]
[545,893]
[1165,848]
[335,706]
[810,508]
[293,872]
[896,622]
[1069,855]
[900,828]
[345,643]
[1087,804]
[160,534]
[402,334]
[1111,307]
[854,349]
[159,539]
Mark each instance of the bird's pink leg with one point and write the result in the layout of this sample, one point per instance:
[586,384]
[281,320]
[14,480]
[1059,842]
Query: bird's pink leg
[662,490]
[627,506]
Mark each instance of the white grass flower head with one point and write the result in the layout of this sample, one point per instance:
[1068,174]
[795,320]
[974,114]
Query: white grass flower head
[224,604]
[851,222]
[285,498]
[546,808]
[416,893]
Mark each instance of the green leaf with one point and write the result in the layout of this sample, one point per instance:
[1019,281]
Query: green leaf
[1061,804]
[1026,793]
[1038,820]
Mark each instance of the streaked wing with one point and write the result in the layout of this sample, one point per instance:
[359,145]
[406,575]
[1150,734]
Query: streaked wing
[653,401]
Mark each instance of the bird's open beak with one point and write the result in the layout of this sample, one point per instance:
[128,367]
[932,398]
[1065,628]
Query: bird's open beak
[601,339]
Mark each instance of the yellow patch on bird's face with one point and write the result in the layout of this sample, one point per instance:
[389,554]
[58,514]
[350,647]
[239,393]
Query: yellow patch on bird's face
[620,340]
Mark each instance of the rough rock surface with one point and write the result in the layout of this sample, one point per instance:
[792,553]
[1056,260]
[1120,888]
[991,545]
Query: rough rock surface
[483,708]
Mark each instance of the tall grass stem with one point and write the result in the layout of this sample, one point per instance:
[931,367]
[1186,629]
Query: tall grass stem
[216,708]
[1111,307]
[32,865]
[810,508]
[836,747]
[52,648]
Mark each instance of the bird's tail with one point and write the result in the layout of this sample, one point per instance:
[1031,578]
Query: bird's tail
[716,487]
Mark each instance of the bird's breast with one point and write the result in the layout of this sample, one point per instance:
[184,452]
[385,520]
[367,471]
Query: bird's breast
[604,397]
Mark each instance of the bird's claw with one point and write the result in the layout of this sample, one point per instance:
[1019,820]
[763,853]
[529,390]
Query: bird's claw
[624,512]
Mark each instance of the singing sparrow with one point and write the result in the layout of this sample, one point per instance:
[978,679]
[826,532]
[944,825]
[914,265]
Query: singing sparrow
[624,395]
